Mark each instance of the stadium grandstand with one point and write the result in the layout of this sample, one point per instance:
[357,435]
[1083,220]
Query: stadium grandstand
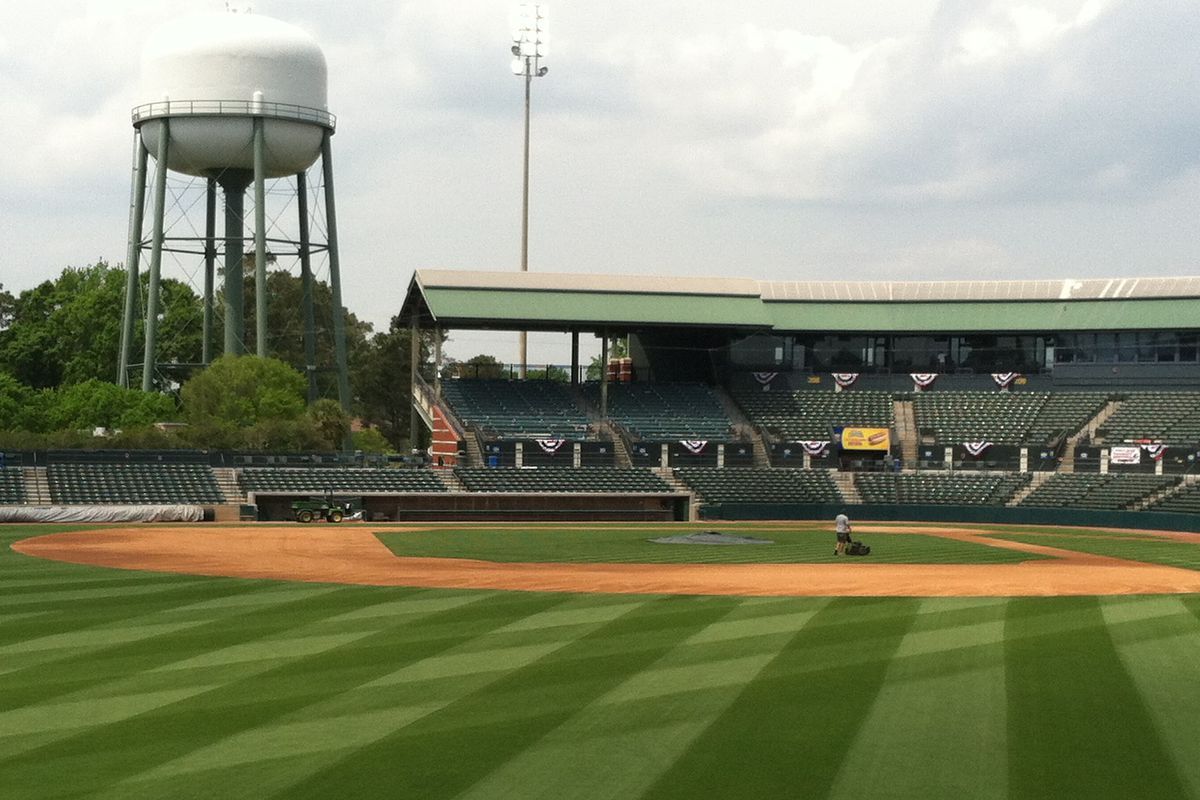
[1027,400]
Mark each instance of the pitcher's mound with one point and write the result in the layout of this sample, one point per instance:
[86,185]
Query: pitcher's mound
[710,537]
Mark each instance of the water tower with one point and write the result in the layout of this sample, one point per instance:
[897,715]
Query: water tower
[232,100]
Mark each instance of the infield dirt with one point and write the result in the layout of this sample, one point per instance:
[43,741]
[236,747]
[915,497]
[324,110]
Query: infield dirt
[354,555]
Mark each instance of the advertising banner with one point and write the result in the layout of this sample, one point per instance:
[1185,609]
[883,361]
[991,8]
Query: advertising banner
[866,439]
[1125,455]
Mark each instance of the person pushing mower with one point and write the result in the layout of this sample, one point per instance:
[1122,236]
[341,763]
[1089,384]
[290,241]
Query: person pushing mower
[841,525]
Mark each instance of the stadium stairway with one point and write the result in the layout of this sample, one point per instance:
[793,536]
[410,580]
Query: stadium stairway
[1036,480]
[606,430]
[668,475]
[1087,431]
[845,485]
[1168,491]
[450,480]
[37,486]
[906,432]
[230,486]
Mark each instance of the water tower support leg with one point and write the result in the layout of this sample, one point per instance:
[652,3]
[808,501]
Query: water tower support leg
[260,242]
[137,204]
[306,284]
[160,199]
[210,259]
[234,326]
[335,280]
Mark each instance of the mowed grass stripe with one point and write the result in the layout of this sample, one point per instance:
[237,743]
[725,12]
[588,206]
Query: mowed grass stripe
[324,732]
[1077,724]
[1157,639]
[103,756]
[937,727]
[793,724]
[619,744]
[444,753]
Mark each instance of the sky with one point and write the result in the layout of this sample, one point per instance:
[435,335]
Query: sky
[770,139]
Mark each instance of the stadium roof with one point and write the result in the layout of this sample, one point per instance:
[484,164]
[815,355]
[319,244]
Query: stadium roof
[563,301]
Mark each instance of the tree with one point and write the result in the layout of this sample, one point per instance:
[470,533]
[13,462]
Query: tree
[100,404]
[482,366]
[21,408]
[240,391]
[380,379]
[331,422]
[68,330]
[617,348]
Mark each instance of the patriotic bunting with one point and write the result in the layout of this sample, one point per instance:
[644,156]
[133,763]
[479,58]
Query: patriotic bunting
[815,448]
[845,380]
[694,446]
[765,378]
[975,449]
[922,380]
[1005,379]
[550,446]
[1155,451]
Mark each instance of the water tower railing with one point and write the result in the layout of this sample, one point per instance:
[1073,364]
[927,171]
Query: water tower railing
[233,108]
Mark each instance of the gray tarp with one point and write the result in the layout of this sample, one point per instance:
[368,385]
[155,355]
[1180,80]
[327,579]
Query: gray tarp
[101,514]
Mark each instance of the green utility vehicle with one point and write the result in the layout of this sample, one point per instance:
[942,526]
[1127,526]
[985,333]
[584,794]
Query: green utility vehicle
[318,508]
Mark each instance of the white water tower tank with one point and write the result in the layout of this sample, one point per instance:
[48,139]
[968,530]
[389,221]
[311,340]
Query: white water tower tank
[211,74]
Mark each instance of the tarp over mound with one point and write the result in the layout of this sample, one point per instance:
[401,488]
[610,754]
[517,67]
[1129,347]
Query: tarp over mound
[172,513]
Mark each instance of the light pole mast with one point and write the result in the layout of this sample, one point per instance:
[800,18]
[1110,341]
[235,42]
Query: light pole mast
[528,49]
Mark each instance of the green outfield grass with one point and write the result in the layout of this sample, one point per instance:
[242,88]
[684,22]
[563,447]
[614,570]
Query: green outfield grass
[1172,553]
[121,684]
[800,543]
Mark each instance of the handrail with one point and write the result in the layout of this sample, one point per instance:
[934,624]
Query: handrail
[240,108]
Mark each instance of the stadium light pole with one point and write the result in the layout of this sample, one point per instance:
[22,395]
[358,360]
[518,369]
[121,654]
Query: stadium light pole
[528,49]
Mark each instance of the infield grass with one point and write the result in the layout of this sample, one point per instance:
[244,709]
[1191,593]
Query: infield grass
[800,543]
[123,684]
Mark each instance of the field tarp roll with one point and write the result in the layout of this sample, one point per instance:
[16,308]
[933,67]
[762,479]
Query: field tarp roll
[166,513]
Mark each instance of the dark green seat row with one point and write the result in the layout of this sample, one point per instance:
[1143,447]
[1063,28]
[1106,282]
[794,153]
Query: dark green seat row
[12,486]
[133,484]
[317,480]
[665,411]
[1171,417]
[561,479]
[959,489]
[1092,490]
[536,409]
[804,415]
[782,485]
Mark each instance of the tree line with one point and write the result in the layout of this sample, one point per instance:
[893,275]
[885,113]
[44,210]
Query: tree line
[59,346]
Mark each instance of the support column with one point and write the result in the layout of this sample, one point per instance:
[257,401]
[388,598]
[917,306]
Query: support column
[437,361]
[137,204]
[234,186]
[306,284]
[335,281]
[414,355]
[210,266]
[160,200]
[574,358]
[604,376]
[260,241]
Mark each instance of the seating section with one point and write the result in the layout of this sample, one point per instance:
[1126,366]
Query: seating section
[658,412]
[1111,492]
[517,409]
[557,479]
[319,480]
[1186,500]
[12,487]
[1064,413]
[1170,417]
[957,417]
[132,484]
[961,489]
[810,415]
[717,485]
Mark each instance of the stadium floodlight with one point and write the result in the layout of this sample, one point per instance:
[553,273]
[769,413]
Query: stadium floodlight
[529,37]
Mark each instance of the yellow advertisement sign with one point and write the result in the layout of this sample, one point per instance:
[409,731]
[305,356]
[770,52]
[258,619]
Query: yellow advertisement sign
[866,439]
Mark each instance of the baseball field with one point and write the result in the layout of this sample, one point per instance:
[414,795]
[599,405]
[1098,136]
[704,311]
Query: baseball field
[554,661]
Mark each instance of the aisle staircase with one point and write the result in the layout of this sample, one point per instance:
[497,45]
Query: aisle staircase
[228,483]
[846,487]
[37,487]
[906,432]
[1088,431]
[1036,480]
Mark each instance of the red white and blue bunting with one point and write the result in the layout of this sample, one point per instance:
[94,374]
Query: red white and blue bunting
[815,447]
[922,380]
[1155,451]
[694,446]
[1005,379]
[844,380]
[764,379]
[550,445]
[975,449]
